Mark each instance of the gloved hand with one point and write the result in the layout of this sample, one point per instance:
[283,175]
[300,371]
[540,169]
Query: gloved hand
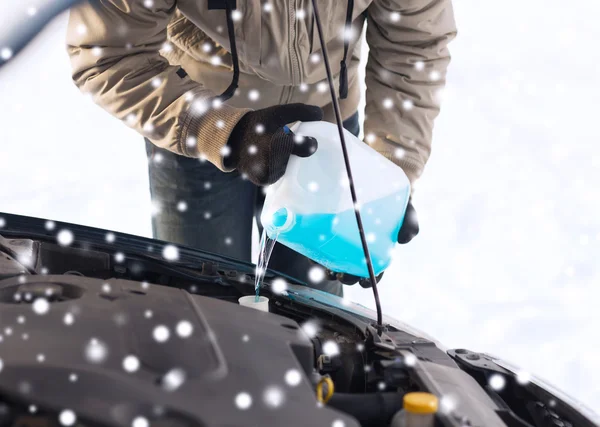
[261,147]
[409,229]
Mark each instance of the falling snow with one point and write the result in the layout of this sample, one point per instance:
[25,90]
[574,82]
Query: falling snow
[41,306]
[252,149]
[65,237]
[173,379]
[170,253]
[410,359]
[41,358]
[67,417]
[388,103]
[395,16]
[322,87]
[279,286]
[253,95]
[236,15]
[434,76]
[119,257]
[243,400]
[140,422]
[161,333]
[131,363]
[273,397]
[338,423]
[6,53]
[148,3]
[407,104]
[316,274]
[148,314]
[68,319]
[497,382]
[246,338]
[447,404]
[293,377]
[73,378]
[184,329]
[523,377]
[156,82]
[310,328]
[96,351]
[182,206]
[267,7]
[315,58]
[110,237]
[50,225]
[330,348]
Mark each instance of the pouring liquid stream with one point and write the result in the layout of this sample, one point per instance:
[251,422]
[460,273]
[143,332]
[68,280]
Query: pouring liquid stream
[265,249]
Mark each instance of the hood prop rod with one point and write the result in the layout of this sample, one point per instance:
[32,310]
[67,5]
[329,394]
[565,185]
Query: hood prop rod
[338,119]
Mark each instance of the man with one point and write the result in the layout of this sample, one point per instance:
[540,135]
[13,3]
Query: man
[160,66]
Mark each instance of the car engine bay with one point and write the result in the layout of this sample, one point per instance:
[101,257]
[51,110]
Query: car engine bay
[106,330]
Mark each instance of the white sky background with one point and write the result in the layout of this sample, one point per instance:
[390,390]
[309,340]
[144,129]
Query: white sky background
[507,259]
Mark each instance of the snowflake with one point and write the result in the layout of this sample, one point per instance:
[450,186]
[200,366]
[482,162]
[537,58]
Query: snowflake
[140,422]
[184,329]
[381,386]
[410,359]
[300,14]
[228,241]
[215,60]
[388,103]
[497,382]
[145,285]
[279,286]
[148,3]
[173,379]
[523,377]
[6,53]
[310,328]
[219,29]
[167,47]
[182,206]
[293,377]
[395,16]
[245,338]
[207,215]
[32,409]
[44,270]
[65,237]
[267,7]
[370,138]
[131,119]
[25,337]
[303,87]
[161,333]
[434,76]
[41,358]
[81,29]
[110,237]
[21,319]
[31,11]
[68,319]
[360,347]
[148,128]
[322,237]
[243,400]
[371,237]
[50,225]
[407,104]
[206,47]
[315,58]
[148,314]
[119,257]
[96,51]
[106,288]
[313,186]
[170,253]
[96,351]
[330,348]
[447,404]
[73,378]
[41,306]
[67,417]
[200,106]
[2,222]
[399,153]
[156,81]
[252,149]
[225,150]
[253,95]
[338,423]
[419,65]
[131,363]
[8,331]
[273,397]
[316,274]
[259,129]
[207,185]
[236,15]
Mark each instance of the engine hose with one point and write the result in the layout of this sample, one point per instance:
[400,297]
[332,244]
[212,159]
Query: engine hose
[372,409]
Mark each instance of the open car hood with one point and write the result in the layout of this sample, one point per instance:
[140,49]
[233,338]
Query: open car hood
[202,360]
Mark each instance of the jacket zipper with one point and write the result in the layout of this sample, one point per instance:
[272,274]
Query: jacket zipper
[292,44]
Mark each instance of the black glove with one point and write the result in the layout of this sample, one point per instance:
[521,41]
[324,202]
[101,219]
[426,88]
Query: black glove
[261,146]
[409,229]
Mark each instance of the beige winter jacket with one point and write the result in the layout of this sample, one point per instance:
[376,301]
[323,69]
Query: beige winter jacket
[128,55]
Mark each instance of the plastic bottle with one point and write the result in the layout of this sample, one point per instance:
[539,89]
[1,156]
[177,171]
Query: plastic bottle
[419,411]
[311,210]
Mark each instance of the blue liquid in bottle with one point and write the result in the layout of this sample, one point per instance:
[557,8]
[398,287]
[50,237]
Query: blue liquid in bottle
[333,240]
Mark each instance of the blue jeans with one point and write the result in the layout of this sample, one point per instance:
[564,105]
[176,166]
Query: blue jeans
[201,207]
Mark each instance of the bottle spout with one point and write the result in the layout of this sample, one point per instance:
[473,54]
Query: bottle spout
[282,220]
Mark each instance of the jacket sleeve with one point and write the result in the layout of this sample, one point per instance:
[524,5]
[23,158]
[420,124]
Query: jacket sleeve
[114,49]
[406,69]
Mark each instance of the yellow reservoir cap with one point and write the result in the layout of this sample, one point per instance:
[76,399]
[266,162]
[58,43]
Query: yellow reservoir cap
[420,403]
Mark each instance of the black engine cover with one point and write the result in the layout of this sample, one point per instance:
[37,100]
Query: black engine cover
[71,356]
